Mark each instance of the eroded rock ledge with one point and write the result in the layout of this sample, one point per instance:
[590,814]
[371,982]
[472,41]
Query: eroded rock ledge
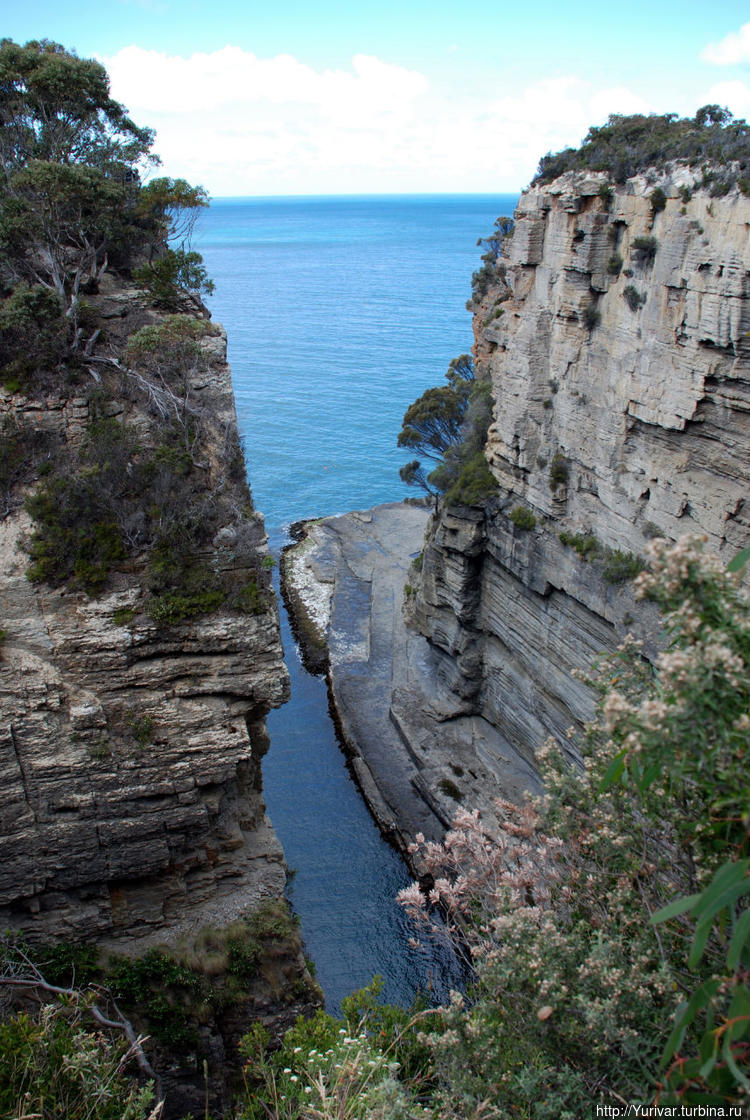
[416,759]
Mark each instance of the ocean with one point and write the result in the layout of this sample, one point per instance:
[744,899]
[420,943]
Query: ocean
[340,312]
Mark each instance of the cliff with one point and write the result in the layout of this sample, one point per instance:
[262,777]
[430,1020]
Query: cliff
[131,747]
[615,334]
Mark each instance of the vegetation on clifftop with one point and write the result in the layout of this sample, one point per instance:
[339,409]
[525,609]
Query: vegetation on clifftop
[712,141]
[73,207]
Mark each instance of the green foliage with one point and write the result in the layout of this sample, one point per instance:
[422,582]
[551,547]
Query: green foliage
[522,517]
[25,451]
[141,727]
[163,991]
[606,194]
[67,963]
[449,425]
[170,207]
[249,599]
[56,107]
[123,616]
[633,297]
[586,544]
[34,336]
[170,349]
[75,538]
[621,566]
[53,1065]
[433,423]
[590,316]
[577,1000]
[658,200]
[475,483]
[172,991]
[369,1065]
[492,267]
[614,264]
[643,249]
[617,567]
[627,145]
[559,471]
[200,593]
[71,197]
[172,276]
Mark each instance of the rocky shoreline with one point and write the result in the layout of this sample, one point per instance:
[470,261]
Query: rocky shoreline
[415,757]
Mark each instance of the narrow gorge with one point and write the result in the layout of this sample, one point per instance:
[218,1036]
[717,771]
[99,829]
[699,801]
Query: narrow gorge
[614,330]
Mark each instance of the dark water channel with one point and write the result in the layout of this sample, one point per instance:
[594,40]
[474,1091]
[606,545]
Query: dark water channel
[346,875]
[340,312]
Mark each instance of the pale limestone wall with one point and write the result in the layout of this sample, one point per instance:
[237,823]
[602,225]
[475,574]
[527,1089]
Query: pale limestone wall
[651,412]
[652,407]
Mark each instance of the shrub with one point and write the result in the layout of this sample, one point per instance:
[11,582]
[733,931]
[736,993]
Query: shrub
[474,485]
[75,537]
[171,608]
[627,145]
[614,264]
[559,471]
[633,297]
[643,249]
[123,616]
[621,566]
[24,452]
[591,316]
[370,1065]
[53,1064]
[658,200]
[172,276]
[608,920]
[141,728]
[34,338]
[522,518]
[586,544]
[249,599]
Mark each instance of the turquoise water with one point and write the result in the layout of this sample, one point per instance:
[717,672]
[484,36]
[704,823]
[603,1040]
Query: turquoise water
[340,312]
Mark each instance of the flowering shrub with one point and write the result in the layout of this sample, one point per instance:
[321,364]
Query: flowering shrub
[330,1069]
[580,997]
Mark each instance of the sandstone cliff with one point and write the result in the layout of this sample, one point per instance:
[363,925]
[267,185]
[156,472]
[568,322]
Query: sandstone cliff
[616,335]
[130,750]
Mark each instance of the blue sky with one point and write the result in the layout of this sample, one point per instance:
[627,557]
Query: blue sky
[416,95]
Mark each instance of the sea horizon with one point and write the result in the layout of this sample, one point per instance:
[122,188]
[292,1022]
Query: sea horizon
[340,311]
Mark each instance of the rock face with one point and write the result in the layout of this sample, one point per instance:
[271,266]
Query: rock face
[617,341]
[130,752]
[414,757]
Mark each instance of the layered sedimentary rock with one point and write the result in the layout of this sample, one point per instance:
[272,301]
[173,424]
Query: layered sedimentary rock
[616,335]
[412,756]
[130,751]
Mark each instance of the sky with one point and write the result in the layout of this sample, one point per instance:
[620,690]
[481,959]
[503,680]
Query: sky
[407,96]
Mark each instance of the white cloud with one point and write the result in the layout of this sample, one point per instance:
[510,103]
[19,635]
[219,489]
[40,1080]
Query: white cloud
[735,96]
[240,124]
[733,50]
